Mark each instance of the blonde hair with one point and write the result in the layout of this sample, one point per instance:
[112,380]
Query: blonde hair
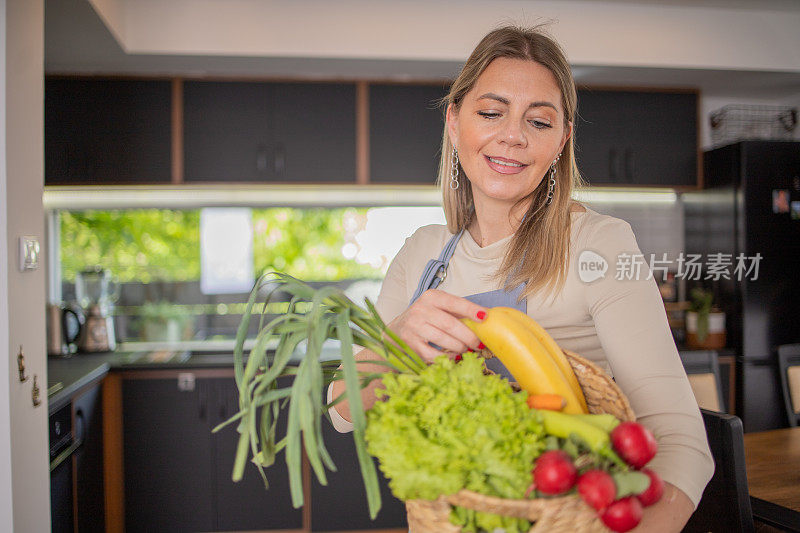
[538,253]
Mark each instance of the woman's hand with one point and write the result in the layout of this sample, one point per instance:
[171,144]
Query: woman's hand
[434,318]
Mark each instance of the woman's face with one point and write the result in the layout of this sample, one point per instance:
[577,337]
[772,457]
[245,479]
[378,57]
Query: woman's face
[509,129]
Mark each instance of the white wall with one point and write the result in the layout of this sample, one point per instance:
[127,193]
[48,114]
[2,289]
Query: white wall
[6,491]
[22,308]
[593,32]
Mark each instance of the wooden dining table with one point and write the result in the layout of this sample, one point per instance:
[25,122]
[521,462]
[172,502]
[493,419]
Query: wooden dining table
[773,476]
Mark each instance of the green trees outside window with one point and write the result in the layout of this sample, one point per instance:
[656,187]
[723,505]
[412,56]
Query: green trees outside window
[146,245]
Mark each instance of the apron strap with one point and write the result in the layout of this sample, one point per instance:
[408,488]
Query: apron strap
[436,269]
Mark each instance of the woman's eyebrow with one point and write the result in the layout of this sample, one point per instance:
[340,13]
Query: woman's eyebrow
[502,100]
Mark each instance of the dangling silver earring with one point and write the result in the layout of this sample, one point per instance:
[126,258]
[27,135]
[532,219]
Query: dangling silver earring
[552,184]
[454,170]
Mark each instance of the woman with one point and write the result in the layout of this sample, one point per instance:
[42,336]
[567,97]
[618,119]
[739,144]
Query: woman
[515,237]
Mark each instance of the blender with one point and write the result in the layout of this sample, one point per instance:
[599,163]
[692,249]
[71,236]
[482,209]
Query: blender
[96,293]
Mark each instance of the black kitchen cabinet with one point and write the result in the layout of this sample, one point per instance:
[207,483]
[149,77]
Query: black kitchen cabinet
[101,131]
[227,131]
[342,504]
[178,474]
[314,132]
[269,132]
[107,131]
[637,137]
[167,456]
[247,504]
[406,125]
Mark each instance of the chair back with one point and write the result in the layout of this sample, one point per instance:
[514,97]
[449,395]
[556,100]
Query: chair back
[725,506]
[789,364]
[702,369]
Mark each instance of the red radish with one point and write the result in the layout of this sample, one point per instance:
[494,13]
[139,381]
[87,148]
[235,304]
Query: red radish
[634,443]
[597,489]
[654,490]
[554,472]
[552,455]
[622,515]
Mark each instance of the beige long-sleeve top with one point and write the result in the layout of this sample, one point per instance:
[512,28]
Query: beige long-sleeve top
[619,324]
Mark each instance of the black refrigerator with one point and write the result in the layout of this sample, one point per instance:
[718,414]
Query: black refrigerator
[750,205]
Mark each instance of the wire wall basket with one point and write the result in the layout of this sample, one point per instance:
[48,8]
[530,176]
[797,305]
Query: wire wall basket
[733,123]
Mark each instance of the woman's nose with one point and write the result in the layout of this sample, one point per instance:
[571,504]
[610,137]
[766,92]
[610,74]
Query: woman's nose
[513,134]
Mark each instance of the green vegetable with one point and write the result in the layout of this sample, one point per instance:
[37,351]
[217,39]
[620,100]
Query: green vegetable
[630,482]
[565,425]
[312,316]
[604,421]
[452,427]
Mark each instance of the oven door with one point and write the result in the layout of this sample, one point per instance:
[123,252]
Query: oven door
[63,443]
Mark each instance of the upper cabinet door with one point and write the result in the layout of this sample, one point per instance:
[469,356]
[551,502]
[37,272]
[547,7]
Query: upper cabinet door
[107,131]
[662,149]
[269,132]
[637,137]
[406,125]
[598,136]
[228,131]
[314,132]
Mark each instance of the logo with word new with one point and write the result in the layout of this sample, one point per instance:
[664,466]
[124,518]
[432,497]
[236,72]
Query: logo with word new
[591,266]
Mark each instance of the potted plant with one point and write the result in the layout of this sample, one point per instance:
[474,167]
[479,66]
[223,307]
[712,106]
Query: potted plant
[165,321]
[705,323]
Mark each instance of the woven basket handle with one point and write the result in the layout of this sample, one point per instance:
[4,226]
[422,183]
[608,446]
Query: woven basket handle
[559,514]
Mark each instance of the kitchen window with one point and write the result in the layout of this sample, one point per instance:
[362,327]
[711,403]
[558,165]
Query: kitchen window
[156,258]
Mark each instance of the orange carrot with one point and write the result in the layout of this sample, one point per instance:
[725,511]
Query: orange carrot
[551,402]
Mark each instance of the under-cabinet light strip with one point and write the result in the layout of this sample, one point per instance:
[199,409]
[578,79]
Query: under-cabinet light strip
[196,196]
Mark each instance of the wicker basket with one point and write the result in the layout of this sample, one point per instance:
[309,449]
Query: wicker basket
[560,514]
[733,123]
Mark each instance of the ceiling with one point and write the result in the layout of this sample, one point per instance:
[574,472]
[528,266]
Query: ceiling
[78,42]
[776,5]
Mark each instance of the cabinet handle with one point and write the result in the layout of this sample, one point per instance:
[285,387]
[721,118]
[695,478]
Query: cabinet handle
[202,396]
[261,160]
[630,168]
[613,163]
[280,160]
[222,403]
[66,454]
[76,443]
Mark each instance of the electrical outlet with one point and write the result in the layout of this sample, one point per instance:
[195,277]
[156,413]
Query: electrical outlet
[185,381]
[28,253]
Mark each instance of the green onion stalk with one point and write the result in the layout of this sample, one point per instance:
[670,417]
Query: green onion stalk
[313,316]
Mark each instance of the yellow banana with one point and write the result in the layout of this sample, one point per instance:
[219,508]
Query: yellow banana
[524,356]
[552,348]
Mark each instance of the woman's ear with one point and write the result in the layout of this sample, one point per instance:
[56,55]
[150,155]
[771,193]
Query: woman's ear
[452,124]
[567,135]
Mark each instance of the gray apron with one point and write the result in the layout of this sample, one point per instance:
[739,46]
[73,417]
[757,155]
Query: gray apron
[436,271]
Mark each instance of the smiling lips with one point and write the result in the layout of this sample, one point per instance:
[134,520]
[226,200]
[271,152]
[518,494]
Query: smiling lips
[503,165]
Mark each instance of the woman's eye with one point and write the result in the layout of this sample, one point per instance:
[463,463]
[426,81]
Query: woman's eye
[488,114]
[538,124]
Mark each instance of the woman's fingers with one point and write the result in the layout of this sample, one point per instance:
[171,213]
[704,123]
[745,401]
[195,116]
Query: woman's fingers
[453,327]
[454,305]
[445,342]
[426,351]
[435,318]
[452,308]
